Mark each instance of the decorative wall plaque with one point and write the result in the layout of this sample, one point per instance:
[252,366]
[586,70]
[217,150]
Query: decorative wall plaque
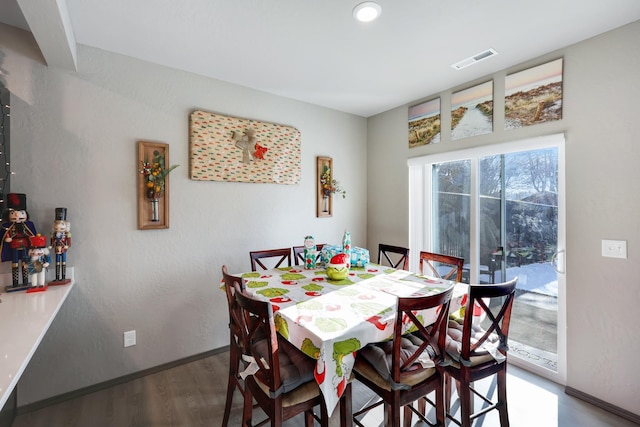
[224,148]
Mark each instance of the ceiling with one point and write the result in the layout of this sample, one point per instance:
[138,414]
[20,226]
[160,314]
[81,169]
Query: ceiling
[314,51]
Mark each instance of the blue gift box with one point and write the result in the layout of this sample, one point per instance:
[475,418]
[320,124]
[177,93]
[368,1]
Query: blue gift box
[359,256]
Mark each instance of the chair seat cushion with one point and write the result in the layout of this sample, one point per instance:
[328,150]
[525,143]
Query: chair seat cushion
[300,394]
[296,368]
[377,360]
[487,352]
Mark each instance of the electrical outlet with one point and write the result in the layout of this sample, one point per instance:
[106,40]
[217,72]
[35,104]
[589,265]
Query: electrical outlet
[614,248]
[129,338]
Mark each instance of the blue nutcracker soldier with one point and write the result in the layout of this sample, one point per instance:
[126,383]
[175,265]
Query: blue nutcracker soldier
[15,239]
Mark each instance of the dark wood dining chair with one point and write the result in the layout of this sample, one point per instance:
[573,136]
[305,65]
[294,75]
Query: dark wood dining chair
[473,360]
[404,380]
[441,266]
[235,341]
[395,256]
[283,384]
[298,253]
[277,256]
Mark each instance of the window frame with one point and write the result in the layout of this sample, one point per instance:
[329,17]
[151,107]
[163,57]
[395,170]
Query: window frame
[420,222]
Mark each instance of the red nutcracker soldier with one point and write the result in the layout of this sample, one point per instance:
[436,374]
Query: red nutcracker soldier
[60,242]
[15,240]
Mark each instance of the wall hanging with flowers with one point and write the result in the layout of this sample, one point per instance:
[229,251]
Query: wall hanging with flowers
[153,185]
[327,186]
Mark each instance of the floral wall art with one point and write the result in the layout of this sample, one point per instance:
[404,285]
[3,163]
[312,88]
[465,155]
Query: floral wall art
[224,148]
[327,186]
[153,185]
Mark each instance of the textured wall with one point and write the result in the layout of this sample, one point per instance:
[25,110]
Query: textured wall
[600,122]
[74,144]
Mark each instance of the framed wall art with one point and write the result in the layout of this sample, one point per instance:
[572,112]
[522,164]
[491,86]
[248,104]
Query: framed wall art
[533,96]
[324,199]
[472,111]
[232,149]
[153,185]
[424,123]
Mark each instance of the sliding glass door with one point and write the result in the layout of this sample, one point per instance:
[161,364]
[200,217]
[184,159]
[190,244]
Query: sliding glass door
[500,208]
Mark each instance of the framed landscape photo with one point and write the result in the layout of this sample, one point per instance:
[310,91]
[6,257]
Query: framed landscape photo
[533,96]
[424,123]
[472,111]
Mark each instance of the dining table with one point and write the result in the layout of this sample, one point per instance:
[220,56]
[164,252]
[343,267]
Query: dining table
[330,320]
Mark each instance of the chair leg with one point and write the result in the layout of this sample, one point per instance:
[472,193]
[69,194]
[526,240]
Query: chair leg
[407,415]
[387,414]
[440,410]
[346,408]
[465,396]
[394,416]
[422,406]
[502,398]
[324,415]
[247,408]
[447,392]
[308,418]
[232,383]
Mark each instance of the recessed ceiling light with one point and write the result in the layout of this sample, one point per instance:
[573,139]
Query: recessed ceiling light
[367,11]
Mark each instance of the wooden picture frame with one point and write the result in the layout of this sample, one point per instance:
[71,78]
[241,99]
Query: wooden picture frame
[324,205]
[146,151]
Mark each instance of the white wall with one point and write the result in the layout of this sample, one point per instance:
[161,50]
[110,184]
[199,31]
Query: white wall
[601,121]
[74,144]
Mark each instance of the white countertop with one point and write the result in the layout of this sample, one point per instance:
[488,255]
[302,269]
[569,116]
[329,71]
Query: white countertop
[24,320]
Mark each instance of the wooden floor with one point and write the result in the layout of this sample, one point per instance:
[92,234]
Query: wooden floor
[193,394]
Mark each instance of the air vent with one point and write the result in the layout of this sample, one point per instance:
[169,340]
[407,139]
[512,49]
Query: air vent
[474,59]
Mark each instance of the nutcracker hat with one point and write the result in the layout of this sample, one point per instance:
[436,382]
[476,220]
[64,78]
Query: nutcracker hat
[38,241]
[61,214]
[16,201]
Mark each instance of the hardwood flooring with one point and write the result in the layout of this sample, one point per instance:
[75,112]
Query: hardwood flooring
[193,394]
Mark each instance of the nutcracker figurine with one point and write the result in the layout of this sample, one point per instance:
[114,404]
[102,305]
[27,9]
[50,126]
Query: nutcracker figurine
[15,239]
[60,242]
[37,263]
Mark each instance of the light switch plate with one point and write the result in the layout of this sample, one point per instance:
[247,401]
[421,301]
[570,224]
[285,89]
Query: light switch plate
[129,338]
[614,248]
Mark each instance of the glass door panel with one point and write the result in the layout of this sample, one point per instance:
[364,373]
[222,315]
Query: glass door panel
[451,216]
[530,240]
[517,223]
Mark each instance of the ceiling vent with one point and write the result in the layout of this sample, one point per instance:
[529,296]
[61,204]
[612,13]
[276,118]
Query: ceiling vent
[475,59]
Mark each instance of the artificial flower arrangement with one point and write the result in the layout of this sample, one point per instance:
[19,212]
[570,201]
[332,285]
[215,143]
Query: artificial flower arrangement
[154,175]
[330,186]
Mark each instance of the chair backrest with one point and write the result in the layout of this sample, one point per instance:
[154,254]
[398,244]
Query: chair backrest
[432,336]
[275,255]
[385,253]
[298,253]
[229,286]
[493,304]
[442,266]
[257,324]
